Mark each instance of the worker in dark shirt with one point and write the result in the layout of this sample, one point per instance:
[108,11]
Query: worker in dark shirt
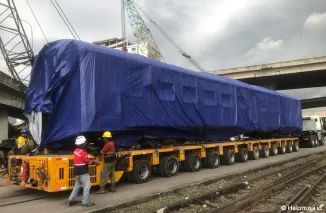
[109,155]
[81,162]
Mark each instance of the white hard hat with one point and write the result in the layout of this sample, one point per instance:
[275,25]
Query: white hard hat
[80,140]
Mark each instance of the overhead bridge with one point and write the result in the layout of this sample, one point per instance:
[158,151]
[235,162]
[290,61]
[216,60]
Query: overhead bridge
[313,103]
[304,73]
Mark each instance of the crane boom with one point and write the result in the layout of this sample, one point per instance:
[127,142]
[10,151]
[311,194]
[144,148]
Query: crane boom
[17,50]
[123,25]
[145,40]
[183,53]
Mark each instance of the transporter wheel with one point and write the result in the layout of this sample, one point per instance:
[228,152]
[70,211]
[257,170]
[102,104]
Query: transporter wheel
[212,160]
[11,152]
[274,150]
[192,163]
[282,148]
[228,157]
[289,147]
[254,154]
[242,155]
[168,167]
[141,172]
[265,151]
[295,146]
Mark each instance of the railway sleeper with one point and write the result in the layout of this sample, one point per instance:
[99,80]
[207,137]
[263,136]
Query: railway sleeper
[262,193]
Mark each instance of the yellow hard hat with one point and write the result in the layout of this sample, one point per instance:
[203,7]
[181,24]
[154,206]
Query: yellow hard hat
[107,134]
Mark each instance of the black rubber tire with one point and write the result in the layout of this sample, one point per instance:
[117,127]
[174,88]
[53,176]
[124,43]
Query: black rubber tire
[254,155]
[141,172]
[289,147]
[192,163]
[212,160]
[313,141]
[242,155]
[295,146]
[168,167]
[3,159]
[228,157]
[265,151]
[316,141]
[322,142]
[282,149]
[274,149]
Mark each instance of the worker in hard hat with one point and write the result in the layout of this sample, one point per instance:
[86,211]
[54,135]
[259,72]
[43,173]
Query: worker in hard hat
[25,143]
[22,139]
[81,162]
[109,155]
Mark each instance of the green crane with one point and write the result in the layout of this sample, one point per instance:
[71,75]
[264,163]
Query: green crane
[14,44]
[143,34]
[146,43]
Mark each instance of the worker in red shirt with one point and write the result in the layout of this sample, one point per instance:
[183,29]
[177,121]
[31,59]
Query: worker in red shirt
[81,162]
[109,155]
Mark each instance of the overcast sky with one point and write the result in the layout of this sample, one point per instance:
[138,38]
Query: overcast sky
[218,34]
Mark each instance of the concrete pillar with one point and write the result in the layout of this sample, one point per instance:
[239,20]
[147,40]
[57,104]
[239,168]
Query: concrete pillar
[3,124]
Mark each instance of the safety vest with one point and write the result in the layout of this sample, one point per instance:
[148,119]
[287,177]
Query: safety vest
[81,162]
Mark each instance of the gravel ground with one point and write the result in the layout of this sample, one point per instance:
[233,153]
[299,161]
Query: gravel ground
[276,201]
[194,190]
[319,198]
[281,198]
[223,200]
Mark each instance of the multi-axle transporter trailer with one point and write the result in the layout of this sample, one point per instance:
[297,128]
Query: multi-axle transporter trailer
[53,173]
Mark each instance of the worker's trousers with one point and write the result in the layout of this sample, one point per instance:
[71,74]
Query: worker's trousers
[108,171]
[86,182]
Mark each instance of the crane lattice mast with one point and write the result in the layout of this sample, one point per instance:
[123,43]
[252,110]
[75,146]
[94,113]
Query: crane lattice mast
[16,50]
[146,43]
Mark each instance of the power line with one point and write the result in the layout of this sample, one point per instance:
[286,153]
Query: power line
[37,20]
[67,19]
[63,19]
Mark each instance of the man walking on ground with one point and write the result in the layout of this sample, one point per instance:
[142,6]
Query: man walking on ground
[109,154]
[81,162]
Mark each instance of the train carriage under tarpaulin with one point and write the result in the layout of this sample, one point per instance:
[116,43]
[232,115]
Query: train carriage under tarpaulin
[82,87]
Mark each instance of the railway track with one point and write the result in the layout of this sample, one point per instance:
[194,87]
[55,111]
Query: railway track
[243,195]
[253,180]
[187,196]
[242,192]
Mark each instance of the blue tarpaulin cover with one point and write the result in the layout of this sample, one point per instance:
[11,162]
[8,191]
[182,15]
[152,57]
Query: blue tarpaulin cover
[87,88]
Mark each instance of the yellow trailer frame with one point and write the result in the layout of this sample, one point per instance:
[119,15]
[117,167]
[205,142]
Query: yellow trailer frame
[53,173]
